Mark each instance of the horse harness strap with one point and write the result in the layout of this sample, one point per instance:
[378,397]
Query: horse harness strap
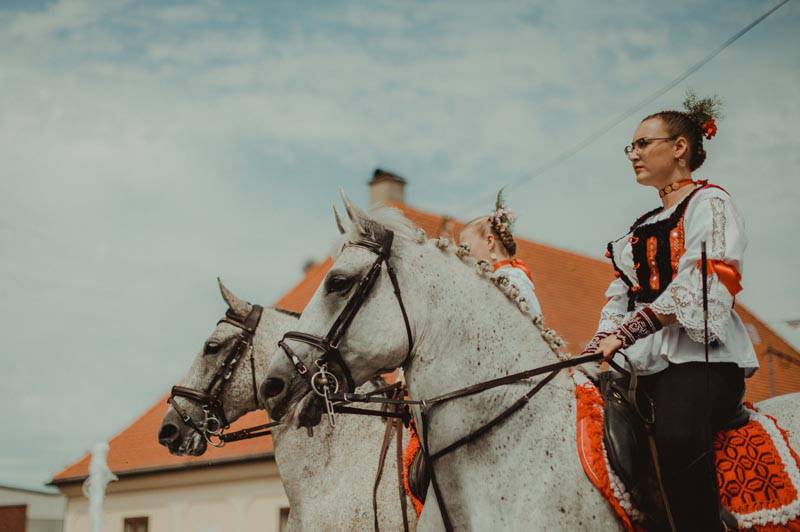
[215,422]
[394,423]
[322,381]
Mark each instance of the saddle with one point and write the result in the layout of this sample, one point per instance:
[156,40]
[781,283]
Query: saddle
[628,417]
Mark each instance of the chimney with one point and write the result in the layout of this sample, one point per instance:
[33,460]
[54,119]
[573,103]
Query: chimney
[385,187]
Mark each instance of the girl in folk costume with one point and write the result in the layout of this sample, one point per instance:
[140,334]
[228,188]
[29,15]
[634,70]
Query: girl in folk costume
[654,312]
[489,238]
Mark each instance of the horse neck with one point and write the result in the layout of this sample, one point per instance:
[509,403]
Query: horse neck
[471,332]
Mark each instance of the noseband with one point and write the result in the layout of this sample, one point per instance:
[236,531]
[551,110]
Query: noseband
[322,381]
[214,420]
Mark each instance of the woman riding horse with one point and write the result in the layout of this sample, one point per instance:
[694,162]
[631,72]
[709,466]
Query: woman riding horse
[654,312]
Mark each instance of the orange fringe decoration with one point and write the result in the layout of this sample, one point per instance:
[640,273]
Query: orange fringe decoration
[745,450]
[590,451]
[412,449]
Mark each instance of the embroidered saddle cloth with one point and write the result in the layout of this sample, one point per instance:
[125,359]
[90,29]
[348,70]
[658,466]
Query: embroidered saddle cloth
[758,473]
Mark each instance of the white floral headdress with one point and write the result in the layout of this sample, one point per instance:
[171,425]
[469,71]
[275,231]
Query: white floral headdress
[502,218]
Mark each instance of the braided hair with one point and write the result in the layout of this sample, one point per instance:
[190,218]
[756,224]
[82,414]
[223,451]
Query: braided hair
[698,120]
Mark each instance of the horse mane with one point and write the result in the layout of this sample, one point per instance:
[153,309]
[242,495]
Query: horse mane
[383,219]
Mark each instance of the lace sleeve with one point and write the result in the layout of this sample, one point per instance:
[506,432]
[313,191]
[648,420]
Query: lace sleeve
[683,298]
[615,310]
[712,219]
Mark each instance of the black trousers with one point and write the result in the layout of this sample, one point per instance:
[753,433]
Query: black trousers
[686,419]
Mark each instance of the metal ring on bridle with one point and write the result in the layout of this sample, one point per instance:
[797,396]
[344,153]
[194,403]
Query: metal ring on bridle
[324,379]
[219,442]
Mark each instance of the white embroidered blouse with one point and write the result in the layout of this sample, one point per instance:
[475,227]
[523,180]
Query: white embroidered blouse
[710,216]
[518,278]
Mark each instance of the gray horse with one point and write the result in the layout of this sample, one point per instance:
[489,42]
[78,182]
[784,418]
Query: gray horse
[328,478]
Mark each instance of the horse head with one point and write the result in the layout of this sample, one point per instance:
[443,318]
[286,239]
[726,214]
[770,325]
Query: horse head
[356,326]
[220,386]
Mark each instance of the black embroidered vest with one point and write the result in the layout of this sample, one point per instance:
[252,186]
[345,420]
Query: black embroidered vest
[657,248]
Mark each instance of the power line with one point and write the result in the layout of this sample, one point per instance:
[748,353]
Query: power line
[614,122]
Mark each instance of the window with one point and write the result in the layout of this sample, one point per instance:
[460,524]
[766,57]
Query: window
[283,520]
[135,524]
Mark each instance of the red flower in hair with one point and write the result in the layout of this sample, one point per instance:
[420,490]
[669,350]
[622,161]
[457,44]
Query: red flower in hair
[709,128]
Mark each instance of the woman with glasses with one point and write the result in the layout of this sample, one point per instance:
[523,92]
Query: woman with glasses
[654,312]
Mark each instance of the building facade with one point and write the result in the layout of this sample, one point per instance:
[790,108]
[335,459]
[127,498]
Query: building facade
[26,510]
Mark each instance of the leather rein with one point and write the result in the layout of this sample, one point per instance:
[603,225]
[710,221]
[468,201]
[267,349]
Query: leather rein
[212,427]
[325,384]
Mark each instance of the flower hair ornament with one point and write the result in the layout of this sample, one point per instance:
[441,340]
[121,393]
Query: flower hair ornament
[502,218]
[704,111]
[502,222]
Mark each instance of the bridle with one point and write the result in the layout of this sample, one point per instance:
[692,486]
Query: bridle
[322,381]
[325,384]
[212,427]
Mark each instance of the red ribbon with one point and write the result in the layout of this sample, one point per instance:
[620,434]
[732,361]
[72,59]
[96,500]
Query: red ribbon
[514,263]
[727,275]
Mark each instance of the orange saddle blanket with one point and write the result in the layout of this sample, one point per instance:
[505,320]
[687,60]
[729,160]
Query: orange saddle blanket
[758,473]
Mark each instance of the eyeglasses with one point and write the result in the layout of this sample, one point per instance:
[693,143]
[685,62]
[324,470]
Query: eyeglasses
[640,144]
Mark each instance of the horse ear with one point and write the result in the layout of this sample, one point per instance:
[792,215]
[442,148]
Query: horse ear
[238,306]
[356,215]
[339,223]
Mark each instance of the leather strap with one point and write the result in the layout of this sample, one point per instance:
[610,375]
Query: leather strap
[393,423]
[329,344]
[387,439]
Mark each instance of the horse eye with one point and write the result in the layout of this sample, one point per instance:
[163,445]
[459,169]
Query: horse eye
[211,348]
[338,284]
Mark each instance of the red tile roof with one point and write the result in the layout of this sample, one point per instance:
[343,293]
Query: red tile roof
[570,288]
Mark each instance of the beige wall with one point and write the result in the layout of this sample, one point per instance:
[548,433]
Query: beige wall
[237,498]
[45,511]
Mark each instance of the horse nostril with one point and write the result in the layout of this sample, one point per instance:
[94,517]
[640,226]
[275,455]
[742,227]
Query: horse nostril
[271,387]
[167,434]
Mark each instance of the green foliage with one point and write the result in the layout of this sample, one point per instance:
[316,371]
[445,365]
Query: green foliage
[701,109]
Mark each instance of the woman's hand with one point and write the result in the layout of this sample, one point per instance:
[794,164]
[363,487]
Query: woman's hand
[608,346]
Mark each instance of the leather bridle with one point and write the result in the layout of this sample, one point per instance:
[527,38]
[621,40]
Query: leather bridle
[212,427]
[322,381]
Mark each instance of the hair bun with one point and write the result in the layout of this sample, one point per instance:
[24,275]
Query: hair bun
[704,112]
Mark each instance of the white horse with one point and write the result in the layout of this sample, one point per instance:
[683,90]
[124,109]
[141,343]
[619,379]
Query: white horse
[522,475]
[328,478]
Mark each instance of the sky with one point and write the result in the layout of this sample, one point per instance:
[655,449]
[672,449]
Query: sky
[148,147]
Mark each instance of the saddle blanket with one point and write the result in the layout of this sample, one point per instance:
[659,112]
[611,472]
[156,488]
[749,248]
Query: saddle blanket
[758,473]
